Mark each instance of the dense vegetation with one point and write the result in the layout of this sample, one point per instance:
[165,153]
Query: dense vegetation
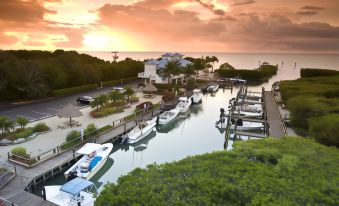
[263,73]
[314,106]
[35,74]
[287,171]
[306,72]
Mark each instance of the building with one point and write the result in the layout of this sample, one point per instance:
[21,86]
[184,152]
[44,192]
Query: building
[151,68]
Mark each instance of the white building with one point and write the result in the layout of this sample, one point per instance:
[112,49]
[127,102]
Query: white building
[152,66]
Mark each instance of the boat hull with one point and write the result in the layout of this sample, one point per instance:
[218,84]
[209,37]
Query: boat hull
[163,121]
[197,98]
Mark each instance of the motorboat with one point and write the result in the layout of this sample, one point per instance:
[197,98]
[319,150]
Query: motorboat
[184,104]
[168,116]
[250,101]
[75,192]
[241,125]
[213,88]
[247,114]
[197,96]
[250,108]
[94,157]
[237,80]
[143,129]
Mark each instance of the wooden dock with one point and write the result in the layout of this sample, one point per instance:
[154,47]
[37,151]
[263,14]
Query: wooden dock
[276,126]
[28,178]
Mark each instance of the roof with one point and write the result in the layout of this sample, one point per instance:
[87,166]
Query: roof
[75,186]
[88,148]
[150,88]
[69,111]
[172,55]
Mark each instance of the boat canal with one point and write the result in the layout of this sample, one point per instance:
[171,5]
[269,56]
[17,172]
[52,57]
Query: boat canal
[187,135]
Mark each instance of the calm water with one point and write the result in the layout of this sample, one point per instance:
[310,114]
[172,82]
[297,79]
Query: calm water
[196,133]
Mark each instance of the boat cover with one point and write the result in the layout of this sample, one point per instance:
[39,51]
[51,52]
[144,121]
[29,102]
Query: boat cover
[94,162]
[88,148]
[75,186]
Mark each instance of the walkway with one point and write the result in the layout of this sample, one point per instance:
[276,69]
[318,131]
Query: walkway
[276,128]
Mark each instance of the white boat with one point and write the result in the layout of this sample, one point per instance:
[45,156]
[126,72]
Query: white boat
[213,88]
[251,101]
[143,129]
[241,125]
[247,114]
[94,157]
[238,80]
[197,96]
[73,193]
[184,104]
[168,116]
[250,108]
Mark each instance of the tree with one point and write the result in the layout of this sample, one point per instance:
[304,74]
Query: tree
[128,92]
[22,121]
[30,82]
[188,70]
[3,121]
[3,80]
[103,99]
[115,96]
[9,124]
[171,68]
[226,66]
[95,103]
[214,59]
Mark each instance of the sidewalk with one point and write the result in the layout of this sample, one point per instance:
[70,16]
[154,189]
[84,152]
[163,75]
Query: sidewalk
[57,136]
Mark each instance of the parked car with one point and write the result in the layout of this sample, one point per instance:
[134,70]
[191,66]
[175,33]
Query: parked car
[144,105]
[119,89]
[85,100]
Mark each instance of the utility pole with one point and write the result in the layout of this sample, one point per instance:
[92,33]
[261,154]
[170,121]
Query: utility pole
[115,56]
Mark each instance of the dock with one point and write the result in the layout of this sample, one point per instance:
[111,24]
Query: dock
[17,191]
[276,125]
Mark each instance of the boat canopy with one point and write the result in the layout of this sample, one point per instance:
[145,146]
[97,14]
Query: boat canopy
[182,99]
[76,185]
[196,91]
[88,148]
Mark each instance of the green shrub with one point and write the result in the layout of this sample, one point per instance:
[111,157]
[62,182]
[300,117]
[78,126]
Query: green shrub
[90,131]
[24,134]
[105,111]
[20,151]
[40,127]
[308,72]
[286,171]
[73,90]
[72,135]
[134,99]
[104,128]
[325,129]
[118,81]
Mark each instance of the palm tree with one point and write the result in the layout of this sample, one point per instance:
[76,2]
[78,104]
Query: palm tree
[103,99]
[115,96]
[214,59]
[22,121]
[128,92]
[171,68]
[9,124]
[198,65]
[30,82]
[3,121]
[95,103]
[188,70]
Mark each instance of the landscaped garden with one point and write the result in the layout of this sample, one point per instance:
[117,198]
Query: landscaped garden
[10,134]
[113,102]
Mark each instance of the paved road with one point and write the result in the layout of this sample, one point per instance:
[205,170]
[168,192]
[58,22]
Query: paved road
[44,109]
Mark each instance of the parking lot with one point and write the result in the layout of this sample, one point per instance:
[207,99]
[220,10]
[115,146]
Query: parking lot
[48,108]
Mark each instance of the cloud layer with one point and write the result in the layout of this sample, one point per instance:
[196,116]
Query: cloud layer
[181,25]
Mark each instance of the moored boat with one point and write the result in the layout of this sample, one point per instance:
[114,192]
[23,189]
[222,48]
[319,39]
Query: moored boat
[94,157]
[184,104]
[247,114]
[197,96]
[168,116]
[213,88]
[241,125]
[143,129]
[72,193]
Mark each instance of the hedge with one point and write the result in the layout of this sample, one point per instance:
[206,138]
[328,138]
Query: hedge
[40,127]
[310,72]
[73,90]
[20,151]
[24,134]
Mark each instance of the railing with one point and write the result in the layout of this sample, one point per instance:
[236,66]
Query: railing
[45,155]
[7,172]
[4,202]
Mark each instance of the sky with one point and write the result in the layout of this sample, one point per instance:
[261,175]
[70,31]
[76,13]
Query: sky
[286,26]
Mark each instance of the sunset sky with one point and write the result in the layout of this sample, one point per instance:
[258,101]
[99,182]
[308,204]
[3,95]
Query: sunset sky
[171,25]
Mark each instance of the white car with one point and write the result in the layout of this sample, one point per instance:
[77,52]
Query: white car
[119,89]
[85,100]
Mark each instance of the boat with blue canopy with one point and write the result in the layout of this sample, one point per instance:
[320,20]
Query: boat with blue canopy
[75,192]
